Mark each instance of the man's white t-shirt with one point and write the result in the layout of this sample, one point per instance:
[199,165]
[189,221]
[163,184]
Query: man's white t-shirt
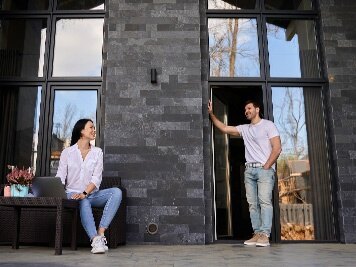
[257,137]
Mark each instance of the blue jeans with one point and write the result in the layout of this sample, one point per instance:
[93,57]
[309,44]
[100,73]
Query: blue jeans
[259,185]
[109,198]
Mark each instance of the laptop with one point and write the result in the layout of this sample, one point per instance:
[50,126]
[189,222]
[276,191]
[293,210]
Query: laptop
[48,187]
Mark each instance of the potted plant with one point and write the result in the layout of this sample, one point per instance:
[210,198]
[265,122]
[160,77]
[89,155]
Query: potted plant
[19,180]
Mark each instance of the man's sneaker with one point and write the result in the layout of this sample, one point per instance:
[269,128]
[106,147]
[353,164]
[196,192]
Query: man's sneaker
[253,240]
[262,241]
[98,246]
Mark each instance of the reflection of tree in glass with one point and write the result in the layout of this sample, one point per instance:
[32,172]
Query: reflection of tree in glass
[228,39]
[290,121]
[63,129]
[275,31]
[69,112]
[289,33]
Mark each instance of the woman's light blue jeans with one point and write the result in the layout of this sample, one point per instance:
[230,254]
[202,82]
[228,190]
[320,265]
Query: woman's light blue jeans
[259,185]
[109,198]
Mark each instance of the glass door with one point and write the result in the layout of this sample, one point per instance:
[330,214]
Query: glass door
[222,173]
[232,219]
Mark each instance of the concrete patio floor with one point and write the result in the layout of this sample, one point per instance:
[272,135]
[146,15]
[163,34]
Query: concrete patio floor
[178,256]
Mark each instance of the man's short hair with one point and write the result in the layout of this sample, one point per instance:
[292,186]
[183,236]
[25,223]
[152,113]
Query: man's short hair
[254,103]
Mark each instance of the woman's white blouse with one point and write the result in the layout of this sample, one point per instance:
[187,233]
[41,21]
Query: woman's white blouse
[75,173]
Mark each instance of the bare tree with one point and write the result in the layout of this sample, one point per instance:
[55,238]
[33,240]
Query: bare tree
[291,120]
[224,47]
[69,112]
[233,29]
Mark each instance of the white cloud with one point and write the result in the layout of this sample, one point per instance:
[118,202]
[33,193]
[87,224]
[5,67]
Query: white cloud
[78,47]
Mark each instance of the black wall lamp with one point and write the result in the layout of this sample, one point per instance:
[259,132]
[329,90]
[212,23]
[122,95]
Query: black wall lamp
[153,76]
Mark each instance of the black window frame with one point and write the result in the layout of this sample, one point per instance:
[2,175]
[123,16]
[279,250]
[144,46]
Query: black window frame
[266,82]
[47,82]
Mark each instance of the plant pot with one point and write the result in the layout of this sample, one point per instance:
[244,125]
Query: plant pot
[18,190]
[7,191]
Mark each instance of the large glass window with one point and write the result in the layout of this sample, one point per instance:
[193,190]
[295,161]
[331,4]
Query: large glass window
[267,43]
[22,47]
[233,48]
[19,120]
[292,48]
[69,107]
[23,4]
[34,63]
[302,170]
[72,54]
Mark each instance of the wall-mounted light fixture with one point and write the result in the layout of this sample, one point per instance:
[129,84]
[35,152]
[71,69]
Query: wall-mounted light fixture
[153,76]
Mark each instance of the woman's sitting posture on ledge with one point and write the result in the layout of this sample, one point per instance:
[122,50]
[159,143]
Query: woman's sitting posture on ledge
[80,169]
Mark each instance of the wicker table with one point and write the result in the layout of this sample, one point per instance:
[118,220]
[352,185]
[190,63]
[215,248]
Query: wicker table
[61,205]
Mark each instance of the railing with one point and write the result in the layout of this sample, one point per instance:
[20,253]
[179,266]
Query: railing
[301,214]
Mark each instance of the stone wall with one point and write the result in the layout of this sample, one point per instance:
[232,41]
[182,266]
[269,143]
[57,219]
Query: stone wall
[339,39]
[153,132]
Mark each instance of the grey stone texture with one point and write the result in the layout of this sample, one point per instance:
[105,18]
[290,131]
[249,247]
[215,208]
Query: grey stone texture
[338,22]
[153,132]
[219,255]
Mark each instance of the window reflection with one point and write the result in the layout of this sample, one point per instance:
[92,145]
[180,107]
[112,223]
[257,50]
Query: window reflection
[69,107]
[78,47]
[19,118]
[288,5]
[231,4]
[292,48]
[80,5]
[233,48]
[22,47]
[302,167]
[24,5]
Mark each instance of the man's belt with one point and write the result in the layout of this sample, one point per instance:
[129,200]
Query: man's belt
[253,165]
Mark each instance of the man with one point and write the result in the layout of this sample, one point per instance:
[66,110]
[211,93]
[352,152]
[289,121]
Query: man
[262,148]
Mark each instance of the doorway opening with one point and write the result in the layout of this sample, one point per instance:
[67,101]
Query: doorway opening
[232,218]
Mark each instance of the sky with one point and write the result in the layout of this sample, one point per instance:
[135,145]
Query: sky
[83,101]
[78,47]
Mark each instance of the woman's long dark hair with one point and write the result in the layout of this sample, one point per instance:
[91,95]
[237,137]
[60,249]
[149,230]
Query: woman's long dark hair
[78,127]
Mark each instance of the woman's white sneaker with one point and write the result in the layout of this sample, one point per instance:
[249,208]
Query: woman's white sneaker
[105,242]
[98,245]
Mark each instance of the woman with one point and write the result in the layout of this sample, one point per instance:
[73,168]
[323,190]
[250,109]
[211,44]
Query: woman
[80,169]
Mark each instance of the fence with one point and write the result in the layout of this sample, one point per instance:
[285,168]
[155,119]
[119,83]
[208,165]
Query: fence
[301,214]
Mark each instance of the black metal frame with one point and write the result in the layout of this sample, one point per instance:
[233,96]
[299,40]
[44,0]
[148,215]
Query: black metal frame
[49,83]
[266,82]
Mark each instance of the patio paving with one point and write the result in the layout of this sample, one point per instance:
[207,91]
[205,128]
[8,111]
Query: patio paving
[186,255]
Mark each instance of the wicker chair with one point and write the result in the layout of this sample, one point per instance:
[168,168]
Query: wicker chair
[35,233]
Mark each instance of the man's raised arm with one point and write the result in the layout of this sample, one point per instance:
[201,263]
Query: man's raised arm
[221,126]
